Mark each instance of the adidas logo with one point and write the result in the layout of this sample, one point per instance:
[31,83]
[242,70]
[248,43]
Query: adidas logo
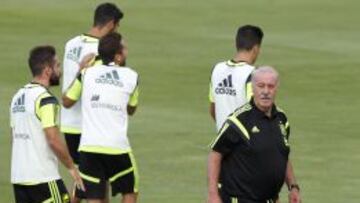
[225,87]
[111,78]
[19,105]
[255,129]
[74,54]
[95,97]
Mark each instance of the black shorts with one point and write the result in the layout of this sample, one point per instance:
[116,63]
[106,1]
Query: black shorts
[98,169]
[226,198]
[72,142]
[53,191]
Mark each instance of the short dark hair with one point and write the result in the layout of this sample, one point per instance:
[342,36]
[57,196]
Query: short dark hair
[109,46]
[248,36]
[107,12]
[40,57]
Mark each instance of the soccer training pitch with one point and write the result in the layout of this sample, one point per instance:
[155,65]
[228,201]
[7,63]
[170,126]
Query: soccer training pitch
[173,44]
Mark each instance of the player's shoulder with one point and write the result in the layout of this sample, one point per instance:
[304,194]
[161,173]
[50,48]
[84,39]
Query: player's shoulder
[243,111]
[46,97]
[18,92]
[129,71]
[281,113]
[219,66]
[82,39]
[73,40]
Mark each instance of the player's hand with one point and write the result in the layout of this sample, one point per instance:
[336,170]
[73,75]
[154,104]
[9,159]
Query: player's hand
[214,198]
[294,196]
[77,179]
[87,60]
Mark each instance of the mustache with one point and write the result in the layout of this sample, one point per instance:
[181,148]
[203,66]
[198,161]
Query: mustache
[265,97]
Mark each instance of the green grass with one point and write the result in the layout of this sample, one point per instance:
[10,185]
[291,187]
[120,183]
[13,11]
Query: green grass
[173,45]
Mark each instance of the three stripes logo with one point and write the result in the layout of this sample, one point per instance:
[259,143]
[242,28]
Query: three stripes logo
[19,105]
[74,54]
[111,78]
[226,87]
[95,97]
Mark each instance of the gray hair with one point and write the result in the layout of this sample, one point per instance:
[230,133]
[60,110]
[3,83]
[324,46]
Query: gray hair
[264,69]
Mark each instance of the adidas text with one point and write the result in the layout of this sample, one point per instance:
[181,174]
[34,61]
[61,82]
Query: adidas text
[109,81]
[225,90]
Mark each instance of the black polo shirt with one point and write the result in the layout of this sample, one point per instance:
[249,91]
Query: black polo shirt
[255,152]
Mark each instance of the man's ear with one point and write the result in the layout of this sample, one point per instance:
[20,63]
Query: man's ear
[110,25]
[256,49]
[118,58]
[47,70]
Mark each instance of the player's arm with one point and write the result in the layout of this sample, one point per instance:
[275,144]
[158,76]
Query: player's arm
[248,88]
[214,161]
[11,138]
[290,176]
[87,61]
[46,111]
[212,110]
[133,101]
[11,128]
[227,139]
[294,190]
[73,93]
[212,103]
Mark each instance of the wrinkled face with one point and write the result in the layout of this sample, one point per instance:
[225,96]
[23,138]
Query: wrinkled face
[264,88]
[55,73]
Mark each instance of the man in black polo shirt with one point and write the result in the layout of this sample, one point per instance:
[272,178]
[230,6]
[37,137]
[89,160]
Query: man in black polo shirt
[250,157]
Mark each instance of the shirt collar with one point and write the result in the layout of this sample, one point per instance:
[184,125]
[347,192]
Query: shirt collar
[89,38]
[232,62]
[261,114]
[33,83]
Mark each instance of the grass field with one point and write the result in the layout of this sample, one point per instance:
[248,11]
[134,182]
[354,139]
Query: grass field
[173,45]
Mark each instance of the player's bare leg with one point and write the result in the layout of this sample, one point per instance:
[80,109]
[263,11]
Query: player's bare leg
[129,198]
[75,199]
[95,200]
[107,193]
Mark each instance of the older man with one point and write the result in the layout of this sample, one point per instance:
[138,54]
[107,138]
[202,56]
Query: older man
[250,157]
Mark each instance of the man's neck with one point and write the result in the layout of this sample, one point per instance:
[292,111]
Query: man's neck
[267,111]
[244,57]
[41,81]
[97,32]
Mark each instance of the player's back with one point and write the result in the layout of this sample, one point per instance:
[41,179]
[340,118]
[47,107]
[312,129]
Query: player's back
[75,50]
[105,95]
[32,158]
[229,89]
